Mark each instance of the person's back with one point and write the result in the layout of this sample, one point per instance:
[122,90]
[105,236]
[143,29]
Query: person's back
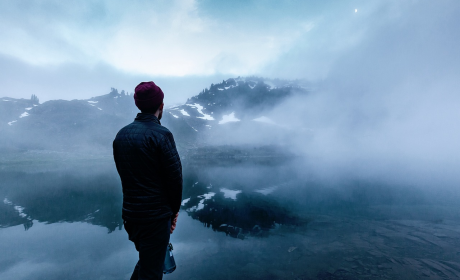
[151,174]
[149,168]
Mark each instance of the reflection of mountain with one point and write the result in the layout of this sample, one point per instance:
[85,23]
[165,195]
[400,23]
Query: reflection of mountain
[60,197]
[247,214]
[231,206]
[95,197]
[241,200]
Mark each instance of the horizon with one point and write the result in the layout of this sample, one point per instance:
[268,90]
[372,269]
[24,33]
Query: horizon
[132,92]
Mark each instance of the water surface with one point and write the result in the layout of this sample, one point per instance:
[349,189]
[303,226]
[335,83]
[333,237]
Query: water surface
[247,220]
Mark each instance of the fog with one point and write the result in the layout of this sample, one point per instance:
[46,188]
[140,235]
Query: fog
[388,107]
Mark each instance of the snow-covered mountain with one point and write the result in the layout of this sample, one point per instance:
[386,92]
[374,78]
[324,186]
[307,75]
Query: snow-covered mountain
[240,102]
[93,123]
[63,125]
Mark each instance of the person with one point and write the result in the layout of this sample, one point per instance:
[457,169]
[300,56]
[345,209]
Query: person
[150,170]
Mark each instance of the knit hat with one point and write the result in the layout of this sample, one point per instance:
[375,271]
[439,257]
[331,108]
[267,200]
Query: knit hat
[148,96]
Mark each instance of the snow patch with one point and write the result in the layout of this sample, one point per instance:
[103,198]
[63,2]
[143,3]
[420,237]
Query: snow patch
[7,201]
[99,108]
[25,114]
[5,100]
[201,203]
[11,122]
[20,210]
[185,201]
[29,108]
[200,108]
[197,207]
[230,193]
[229,118]
[93,102]
[207,195]
[232,86]
[270,84]
[174,115]
[184,112]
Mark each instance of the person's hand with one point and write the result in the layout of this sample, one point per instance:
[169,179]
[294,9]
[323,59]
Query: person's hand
[173,222]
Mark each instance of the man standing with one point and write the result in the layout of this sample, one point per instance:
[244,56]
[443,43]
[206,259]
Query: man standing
[151,176]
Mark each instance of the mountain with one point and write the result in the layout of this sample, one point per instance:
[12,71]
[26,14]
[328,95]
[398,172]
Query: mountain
[238,105]
[90,125]
[63,125]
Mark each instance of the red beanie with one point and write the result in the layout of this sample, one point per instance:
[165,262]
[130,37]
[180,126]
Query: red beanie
[148,96]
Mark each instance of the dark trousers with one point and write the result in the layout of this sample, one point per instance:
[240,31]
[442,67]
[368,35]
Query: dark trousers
[151,241]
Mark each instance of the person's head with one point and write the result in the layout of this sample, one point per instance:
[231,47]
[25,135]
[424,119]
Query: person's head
[149,98]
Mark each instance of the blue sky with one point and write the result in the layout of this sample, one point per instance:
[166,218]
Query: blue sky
[78,49]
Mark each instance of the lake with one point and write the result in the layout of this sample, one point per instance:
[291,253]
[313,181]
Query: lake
[61,219]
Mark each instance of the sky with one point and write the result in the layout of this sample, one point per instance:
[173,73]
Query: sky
[79,49]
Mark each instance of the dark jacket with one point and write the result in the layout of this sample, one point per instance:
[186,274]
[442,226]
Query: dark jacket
[150,170]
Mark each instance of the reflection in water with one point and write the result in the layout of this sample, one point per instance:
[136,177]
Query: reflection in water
[239,206]
[246,214]
[310,230]
[18,217]
[229,199]
[54,197]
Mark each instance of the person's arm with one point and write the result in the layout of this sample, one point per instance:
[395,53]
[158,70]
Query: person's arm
[172,168]
[173,222]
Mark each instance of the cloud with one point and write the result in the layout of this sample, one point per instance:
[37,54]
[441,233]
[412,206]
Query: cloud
[157,38]
[76,81]
[187,38]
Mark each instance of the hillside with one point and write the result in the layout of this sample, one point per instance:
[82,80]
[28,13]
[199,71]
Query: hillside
[90,125]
